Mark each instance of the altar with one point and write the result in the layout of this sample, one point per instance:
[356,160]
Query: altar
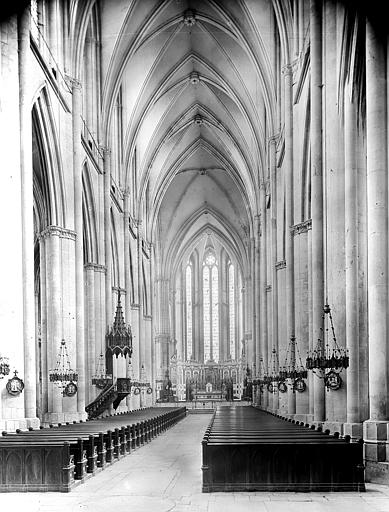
[207,382]
[203,396]
[209,394]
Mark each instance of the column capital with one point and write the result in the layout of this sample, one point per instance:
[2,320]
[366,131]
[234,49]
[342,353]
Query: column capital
[119,289]
[287,70]
[105,150]
[57,231]
[73,82]
[273,139]
[96,267]
[302,227]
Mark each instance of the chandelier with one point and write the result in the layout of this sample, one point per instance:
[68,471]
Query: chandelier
[101,378]
[62,375]
[262,377]
[275,379]
[291,373]
[328,360]
[4,366]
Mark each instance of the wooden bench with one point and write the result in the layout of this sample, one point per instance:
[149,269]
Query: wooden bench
[245,449]
[36,466]
[71,452]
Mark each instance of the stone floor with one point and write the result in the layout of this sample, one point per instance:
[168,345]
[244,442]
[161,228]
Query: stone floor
[165,475]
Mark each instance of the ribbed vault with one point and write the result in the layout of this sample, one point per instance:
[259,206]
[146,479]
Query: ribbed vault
[196,93]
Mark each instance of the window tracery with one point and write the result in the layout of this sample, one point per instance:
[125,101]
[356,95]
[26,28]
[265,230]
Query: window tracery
[211,308]
[189,313]
[231,309]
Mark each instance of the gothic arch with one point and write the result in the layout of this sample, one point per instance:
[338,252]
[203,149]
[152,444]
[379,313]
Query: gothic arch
[91,253]
[49,195]
[115,254]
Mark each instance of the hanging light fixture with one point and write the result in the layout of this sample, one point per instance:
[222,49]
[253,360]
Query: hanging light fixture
[329,360]
[101,378]
[294,374]
[275,379]
[62,374]
[263,376]
[4,366]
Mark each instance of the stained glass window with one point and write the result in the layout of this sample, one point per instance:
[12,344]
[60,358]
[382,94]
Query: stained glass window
[35,20]
[215,313]
[211,308]
[189,336]
[207,316]
[231,307]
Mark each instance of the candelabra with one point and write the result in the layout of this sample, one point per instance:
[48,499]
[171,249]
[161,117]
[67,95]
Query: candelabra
[294,375]
[328,361]
[101,378]
[4,366]
[62,375]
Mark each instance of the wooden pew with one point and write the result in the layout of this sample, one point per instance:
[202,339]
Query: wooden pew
[246,449]
[36,466]
[71,452]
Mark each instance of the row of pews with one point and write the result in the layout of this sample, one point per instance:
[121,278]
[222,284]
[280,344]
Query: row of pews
[246,449]
[59,457]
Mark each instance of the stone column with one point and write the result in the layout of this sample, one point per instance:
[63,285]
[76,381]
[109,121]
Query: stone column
[78,226]
[107,236]
[43,306]
[178,317]
[141,312]
[375,429]
[52,25]
[253,344]
[90,330]
[51,237]
[311,376]
[289,221]
[27,216]
[135,310]
[301,24]
[295,28]
[248,336]
[273,238]
[257,290]
[317,194]
[351,254]
[100,327]
[89,97]
[262,291]
[127,277]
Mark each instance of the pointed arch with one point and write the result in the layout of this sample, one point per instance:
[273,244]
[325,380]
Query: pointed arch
[91,253]
[48,183]
[115,254]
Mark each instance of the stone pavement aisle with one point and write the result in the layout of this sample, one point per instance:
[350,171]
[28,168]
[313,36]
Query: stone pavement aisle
[165,476]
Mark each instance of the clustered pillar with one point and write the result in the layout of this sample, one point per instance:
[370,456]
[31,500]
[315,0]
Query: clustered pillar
[376,428]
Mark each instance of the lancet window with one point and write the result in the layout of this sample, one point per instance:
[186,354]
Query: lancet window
[211,308]
[231,309]
[189,312]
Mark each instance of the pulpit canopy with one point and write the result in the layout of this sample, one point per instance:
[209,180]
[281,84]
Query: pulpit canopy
[119,337]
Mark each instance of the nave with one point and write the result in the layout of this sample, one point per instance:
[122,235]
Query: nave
[165,475]
[194,207]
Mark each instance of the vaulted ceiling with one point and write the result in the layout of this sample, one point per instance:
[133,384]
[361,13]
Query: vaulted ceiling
[198,97]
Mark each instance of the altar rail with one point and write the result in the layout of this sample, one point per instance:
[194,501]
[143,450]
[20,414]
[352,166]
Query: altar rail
[59,457]
[245,449]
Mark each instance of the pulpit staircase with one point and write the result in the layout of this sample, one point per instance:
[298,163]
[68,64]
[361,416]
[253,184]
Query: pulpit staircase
[112,394]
